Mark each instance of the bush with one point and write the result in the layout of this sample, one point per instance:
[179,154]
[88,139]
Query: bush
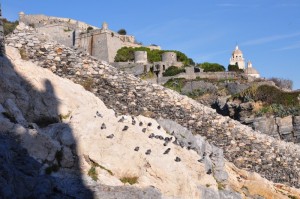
[234,68]
[211,67]
[122,32]
[282,83]
[130,180]
[9,26]
[173,70]
[175,84]
[89,29]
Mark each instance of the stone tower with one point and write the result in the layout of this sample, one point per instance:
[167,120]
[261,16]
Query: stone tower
[2,44]
[237,58]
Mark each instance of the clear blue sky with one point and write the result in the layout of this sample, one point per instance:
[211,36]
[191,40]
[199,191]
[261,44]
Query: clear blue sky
[267,31]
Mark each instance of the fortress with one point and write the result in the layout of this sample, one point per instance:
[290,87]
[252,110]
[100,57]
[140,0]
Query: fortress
[101,43]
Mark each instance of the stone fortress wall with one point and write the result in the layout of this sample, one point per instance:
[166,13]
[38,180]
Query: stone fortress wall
[100,43]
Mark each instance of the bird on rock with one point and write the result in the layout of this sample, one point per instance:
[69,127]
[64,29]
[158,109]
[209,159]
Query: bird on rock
[125,128]
[148,152]
[110,136]
[144,130]
[167,151]
[137,148]
[103,126]
[122,119]
[177,159]
[99,114]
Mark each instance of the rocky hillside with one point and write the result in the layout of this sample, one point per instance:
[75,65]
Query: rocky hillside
[76,136]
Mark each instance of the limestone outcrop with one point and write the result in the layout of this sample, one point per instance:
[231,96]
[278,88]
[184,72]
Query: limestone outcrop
[178,155]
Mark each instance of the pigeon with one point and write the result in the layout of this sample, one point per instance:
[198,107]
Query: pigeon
[148,152]
[167,151]
[209,172]
[125,128]
[133,122]
[158,127]
[137,148]
[177,159]
[149,124]
[144,130]
[141,124]
[122,119]
[98,114]
[151,135]
[110,136]
[103,126]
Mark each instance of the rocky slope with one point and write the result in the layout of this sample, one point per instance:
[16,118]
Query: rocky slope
[95,140]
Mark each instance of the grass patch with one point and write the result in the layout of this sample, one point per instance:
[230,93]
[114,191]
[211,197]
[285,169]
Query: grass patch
[87,83]
[292,197]
[64,117]
[130,180]
[196,93]
[93,173]
[23,54]
[221,186]
[175,84]
[148,75]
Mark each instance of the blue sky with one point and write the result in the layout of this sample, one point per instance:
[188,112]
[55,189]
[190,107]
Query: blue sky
[267,31]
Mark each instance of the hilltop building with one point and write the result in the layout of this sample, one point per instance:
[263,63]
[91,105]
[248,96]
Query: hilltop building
[238,59]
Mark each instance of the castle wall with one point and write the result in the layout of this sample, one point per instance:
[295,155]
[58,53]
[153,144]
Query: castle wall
[58,32]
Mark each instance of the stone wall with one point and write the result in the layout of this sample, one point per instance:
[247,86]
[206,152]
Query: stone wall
[273,159]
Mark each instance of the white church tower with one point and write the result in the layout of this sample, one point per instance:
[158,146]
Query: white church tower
[237,58]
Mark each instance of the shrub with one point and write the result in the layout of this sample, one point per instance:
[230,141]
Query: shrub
[173,70]
[89,29]
[9,26]
[130,180]
[175,84]
[122,32]
[234,68]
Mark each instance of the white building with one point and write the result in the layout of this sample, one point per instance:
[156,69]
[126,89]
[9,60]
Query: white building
[237,58]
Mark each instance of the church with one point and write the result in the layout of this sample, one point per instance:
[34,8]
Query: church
[238,59]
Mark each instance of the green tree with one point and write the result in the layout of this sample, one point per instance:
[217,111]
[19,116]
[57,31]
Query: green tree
[211,67]
[234,68]
[122,32]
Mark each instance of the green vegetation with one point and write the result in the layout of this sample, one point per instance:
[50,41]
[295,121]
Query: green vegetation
[89,29]
[148,75]
[234,68]
[87,83]
[175,84]
[173,70]
[130,180]
[9,26]
[220,186]
[122,32]
[292,197]
[127,54]
[23,54]
[211,67]
[196,93]
[93,173]
[274,100]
